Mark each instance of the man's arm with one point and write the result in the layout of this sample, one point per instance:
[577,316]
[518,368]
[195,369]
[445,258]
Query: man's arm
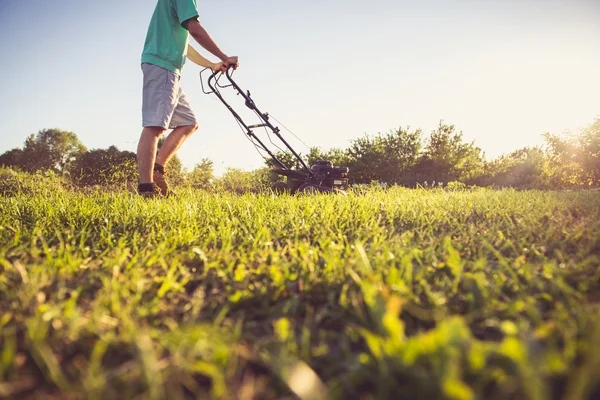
[203,38]
[197,58]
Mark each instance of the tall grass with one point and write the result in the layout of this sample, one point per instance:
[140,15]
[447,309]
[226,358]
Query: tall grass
[381,294]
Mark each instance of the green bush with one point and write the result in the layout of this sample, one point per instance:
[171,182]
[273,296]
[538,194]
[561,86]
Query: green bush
[455,186]
[13,182]
[108,168]
[238,181]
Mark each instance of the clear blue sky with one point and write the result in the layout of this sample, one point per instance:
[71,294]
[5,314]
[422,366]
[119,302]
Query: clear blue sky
[503,72]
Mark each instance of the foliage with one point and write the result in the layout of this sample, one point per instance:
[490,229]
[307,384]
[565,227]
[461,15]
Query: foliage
[202,175]
[12,158]
[109,167]
[455,186]
[590,152]
[400,157]
[337,156]
[575,158]
[448,158]
[523,168]
[392,293]
[14,183]
[51,149]
[385,158]
[238,181]
[563,154]
[175,173]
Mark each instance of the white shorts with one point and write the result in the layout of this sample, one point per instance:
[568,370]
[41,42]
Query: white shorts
[164,103]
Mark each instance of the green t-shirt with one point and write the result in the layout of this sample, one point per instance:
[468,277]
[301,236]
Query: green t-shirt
[167,39]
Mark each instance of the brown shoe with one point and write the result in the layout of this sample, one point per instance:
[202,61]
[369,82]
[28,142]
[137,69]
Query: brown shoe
[161,183]
[149,190]
[158,176]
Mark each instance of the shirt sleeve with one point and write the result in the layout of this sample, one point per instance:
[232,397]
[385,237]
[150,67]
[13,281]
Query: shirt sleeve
[186,9]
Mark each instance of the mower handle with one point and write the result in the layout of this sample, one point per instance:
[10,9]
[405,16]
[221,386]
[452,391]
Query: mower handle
[251,105]
[202,80]
[216,78]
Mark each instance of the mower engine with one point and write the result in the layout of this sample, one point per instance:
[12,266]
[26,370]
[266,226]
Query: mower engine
[325,174]
[323,177]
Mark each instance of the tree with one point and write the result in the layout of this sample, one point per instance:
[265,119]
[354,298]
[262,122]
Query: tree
[387,158]
[51,149]
[12,158]
[175,173]
[447,158]
[563,159]
[338,157]
[590,152]
[402,149]
[239,181]
[525,168]
[202,174]
[575,158]
[104,167]
[365,155]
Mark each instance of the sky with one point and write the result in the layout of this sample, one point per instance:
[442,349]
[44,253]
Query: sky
[503,72]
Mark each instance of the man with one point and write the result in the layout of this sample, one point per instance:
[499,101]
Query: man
[164,105]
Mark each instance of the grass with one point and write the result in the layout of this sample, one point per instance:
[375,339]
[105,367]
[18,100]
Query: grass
[382,294]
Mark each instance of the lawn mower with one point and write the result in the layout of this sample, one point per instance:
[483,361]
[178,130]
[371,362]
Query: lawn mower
[322,177]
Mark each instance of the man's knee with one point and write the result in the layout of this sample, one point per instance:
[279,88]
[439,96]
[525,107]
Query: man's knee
[154,131]
[187,130]
[192,128]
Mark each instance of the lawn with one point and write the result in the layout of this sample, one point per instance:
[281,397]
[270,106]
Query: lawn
[397,293]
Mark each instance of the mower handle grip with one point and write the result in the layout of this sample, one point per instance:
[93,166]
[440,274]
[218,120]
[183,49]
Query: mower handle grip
[216,78]
[228,73]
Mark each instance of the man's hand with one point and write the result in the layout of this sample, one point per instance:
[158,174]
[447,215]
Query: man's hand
[223,66]
[230,62]
[217,67]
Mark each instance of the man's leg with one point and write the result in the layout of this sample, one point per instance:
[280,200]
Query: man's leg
[173,142]
[146,152]
[185,124]
[168,149]
[161,93]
